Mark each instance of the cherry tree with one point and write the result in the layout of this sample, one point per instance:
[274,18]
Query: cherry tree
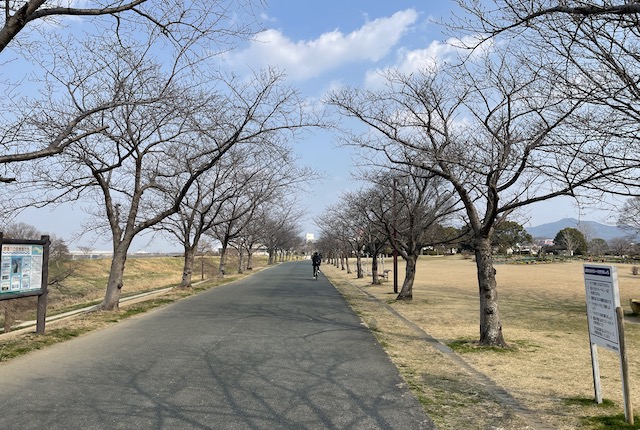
[192,30]
[177,20]
[498,137]
[167,130]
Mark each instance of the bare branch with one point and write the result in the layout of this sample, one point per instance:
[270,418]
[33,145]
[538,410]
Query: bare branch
[36,9]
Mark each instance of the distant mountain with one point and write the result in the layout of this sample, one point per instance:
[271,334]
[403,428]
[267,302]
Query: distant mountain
[595,229]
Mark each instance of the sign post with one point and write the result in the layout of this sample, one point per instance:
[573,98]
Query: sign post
[606,325]
[24,272]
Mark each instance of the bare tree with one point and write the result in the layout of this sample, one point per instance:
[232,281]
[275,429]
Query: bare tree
[343,225]
[249,241]
[629,217]
[501,140]
[222,201]
[377,241]
[329,248]
[47,130]
[515,15]
[340,222]
[192,30]
[280,228]
[569,242]
[20,230]
[289,241]
[413,207]
[587,230]
[620,246]
[589,50]
[170,131]
[262,177]
[177,20]
[86,251]
[201,209]
[236,213]
[252,234]
[374,233]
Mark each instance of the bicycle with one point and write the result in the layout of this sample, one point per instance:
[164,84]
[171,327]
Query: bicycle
[316,269]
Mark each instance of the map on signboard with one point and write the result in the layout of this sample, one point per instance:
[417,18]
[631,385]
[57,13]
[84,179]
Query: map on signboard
[601,284]
[21,268]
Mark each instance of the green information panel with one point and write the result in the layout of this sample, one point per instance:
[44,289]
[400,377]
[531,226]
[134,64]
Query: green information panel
[21,268]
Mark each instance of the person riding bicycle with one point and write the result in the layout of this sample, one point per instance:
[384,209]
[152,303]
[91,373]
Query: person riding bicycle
[315,260]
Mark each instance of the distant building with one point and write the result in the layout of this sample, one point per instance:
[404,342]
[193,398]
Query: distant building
[89,254]
[79,254]
[310,238]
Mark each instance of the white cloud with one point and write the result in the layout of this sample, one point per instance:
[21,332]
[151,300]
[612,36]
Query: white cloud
[309,58]
[435,54]
[266,18]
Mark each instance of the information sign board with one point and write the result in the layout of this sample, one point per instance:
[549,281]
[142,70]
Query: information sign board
[21,268]
[601,283]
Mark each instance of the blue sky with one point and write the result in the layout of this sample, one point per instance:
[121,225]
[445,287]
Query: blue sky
[321,45]
[324,44]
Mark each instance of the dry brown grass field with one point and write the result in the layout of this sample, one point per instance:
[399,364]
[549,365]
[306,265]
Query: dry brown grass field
[547,370]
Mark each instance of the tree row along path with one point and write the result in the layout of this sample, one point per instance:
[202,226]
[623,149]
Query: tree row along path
[499,393]
[275,350]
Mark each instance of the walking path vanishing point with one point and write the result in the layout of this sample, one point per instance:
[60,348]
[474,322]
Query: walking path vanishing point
[277,350]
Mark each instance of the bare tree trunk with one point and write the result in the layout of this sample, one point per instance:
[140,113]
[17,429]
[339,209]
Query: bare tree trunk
[359,269]
[406,293]
[223,260]
[111,299]
[346,258]
[187,271]
[249,260]
[374,270]
[240,260]
[490,324]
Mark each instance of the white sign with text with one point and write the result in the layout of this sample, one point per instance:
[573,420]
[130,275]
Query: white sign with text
[601,284]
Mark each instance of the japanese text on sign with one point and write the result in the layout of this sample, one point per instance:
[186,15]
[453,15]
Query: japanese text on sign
[21,268]
[601,285]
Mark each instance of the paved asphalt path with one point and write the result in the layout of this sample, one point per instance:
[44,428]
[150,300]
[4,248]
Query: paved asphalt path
[278,350]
